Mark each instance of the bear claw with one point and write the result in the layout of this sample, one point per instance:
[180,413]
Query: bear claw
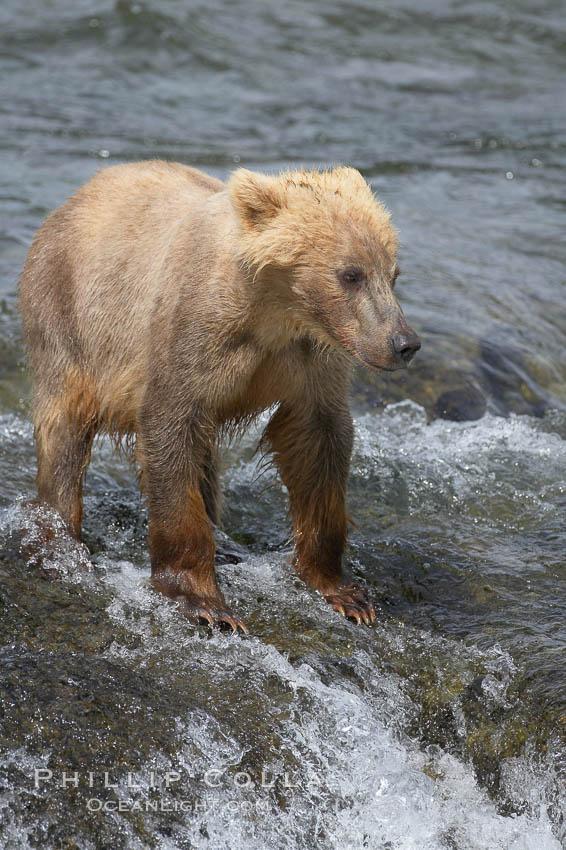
[213,617]
[353,603]
[199,609]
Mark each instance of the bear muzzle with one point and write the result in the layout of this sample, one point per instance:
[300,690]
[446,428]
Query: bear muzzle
[389,353]
[404,346]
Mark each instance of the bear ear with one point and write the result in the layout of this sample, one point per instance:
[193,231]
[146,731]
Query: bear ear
[257,198]
[351,176]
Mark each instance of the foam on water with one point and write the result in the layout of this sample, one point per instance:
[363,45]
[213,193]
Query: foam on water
[511,464]
[358,781]
[361,783]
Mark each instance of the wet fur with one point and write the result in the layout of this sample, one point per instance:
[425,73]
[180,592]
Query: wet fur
[161,303]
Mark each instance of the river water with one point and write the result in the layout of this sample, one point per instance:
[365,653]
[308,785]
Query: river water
[444,726]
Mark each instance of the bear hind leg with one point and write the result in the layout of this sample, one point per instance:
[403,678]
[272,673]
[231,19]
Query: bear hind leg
[65,428]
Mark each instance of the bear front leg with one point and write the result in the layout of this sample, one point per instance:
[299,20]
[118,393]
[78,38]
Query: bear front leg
[181,537]
[312,448]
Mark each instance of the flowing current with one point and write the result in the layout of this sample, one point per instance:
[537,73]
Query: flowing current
[443,727]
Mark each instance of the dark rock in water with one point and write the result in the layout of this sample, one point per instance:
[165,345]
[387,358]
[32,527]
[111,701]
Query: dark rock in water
[68,703]
[74,713]
[460,405]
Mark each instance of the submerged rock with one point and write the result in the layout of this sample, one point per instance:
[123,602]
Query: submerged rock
[460,405]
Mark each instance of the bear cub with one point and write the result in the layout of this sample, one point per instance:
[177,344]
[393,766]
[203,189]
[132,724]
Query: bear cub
[162,303]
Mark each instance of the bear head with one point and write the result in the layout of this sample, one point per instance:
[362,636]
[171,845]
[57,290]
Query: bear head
[328,244]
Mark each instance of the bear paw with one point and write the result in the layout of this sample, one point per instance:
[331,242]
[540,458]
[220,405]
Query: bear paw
[353,602]
[207,612]
[198,607]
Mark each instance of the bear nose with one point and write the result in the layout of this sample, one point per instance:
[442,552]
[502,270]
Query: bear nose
[405,345]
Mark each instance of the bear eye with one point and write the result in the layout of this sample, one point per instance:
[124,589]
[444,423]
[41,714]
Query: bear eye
[354,278]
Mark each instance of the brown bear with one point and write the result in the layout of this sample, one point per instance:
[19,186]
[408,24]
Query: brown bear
[162,303]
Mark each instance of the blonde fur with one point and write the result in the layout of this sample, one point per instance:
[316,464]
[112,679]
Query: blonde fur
[160,302]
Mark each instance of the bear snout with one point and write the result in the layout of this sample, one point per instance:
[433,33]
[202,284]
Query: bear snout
[404,346]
